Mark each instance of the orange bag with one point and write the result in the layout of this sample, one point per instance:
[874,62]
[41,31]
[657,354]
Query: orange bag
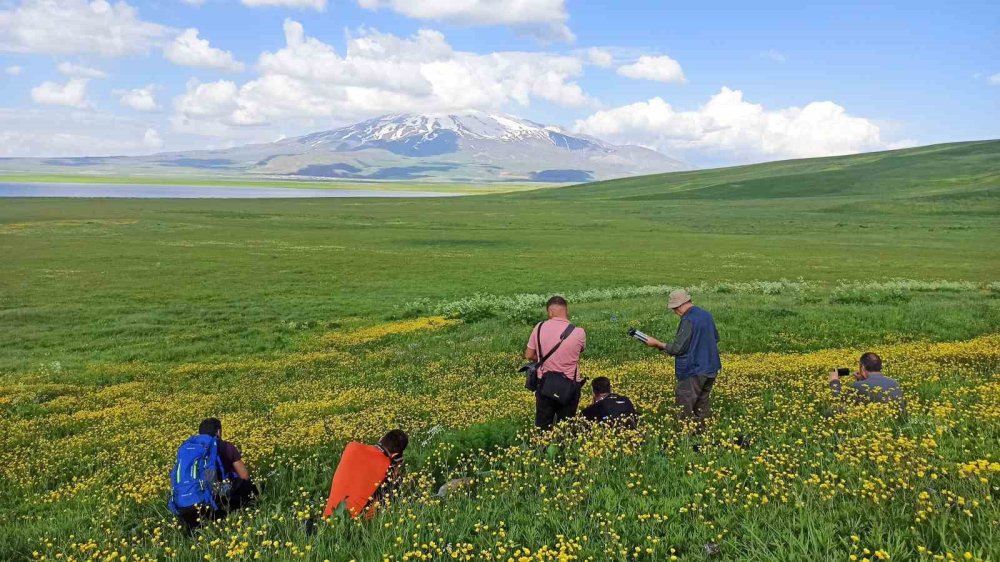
[361,471]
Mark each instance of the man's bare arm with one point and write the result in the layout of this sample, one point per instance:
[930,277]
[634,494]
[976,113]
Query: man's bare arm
[241,470]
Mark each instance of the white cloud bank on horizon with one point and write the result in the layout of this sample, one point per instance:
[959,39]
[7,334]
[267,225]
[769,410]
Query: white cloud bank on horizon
[151,139]
[61,131]
[542,19]
[379,73]
[729,125]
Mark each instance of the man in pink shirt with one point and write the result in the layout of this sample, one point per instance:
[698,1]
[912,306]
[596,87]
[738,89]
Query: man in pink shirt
[563,361]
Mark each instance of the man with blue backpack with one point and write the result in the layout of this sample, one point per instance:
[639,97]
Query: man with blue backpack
[209,478]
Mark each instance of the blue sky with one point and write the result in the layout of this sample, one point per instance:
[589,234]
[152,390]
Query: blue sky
[713,83]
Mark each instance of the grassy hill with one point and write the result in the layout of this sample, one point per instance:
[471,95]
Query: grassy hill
[88,271]
[306,323]
[967,168]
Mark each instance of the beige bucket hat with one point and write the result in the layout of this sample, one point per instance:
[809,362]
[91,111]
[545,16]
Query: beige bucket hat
[677,298]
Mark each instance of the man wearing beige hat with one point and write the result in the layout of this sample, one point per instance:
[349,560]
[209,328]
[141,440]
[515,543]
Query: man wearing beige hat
[696,356]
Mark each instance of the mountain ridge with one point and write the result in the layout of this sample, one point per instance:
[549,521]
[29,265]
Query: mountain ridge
[471,146]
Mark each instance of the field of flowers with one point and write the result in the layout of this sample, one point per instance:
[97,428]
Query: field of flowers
[303,324]
[84,463]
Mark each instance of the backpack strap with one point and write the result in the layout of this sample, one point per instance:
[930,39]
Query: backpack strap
[213,457]
[217,450]
[538,342]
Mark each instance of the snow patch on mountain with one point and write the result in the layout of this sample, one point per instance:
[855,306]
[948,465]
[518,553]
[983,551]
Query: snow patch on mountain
[471,126]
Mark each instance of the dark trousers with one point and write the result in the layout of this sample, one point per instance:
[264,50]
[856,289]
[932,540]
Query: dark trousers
[241,493]
[548,412]
[196,515]
[694,396]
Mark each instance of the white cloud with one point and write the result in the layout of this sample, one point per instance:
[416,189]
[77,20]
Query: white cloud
[318,5]
[205,108]
[193,2]
[188,49]
[77,71]
[77,26]
[60,131]
[13,70]
[660,68]
[139,99]
[776,56]
[72,94]
[742,131]
[152,139]
[600,57]
[545,19]
[995,79]
[379,73]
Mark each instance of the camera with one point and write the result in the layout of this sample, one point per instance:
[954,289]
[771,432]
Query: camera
[843,372]
[633,333]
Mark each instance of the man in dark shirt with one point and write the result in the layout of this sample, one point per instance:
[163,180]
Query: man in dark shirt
[870,385]
[696,357]
[232,489]
[240,489]
[609,407]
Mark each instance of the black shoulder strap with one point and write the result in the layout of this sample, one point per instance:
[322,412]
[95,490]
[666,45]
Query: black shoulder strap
[569,330]
[538,340]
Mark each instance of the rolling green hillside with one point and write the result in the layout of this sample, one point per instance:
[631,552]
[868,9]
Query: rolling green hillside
[194,278]
[968,170]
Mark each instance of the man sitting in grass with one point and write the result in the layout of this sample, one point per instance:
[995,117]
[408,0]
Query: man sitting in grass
[609,407]
[870,385]
[209,479]
[367,475]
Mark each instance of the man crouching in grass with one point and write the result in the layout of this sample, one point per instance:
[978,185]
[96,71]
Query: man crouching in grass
[367,475]
[870,385]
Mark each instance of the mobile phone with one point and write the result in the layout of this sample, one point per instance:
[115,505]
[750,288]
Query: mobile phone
[843,372]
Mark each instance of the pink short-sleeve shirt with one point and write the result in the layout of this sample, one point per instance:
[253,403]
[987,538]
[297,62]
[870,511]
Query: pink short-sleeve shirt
[566,359]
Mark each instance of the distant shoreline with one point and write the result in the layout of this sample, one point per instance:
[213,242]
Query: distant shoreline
[277,183]
[100,190]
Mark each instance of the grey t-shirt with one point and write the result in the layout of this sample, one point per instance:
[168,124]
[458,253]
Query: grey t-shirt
[876,388]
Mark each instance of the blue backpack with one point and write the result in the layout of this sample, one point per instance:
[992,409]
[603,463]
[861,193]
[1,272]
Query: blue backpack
[196,473]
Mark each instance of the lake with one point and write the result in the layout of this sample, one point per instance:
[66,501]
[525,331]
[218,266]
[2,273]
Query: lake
[124,190]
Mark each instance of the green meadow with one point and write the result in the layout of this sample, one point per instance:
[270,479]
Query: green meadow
[303,324]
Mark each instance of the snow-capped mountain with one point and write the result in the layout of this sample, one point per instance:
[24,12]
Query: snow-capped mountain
[427,135]
[470,146]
